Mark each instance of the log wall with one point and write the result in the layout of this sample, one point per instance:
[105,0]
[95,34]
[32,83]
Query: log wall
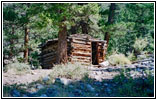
[79,49]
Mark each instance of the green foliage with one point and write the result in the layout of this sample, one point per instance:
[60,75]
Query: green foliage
[118,59]
[138,87]
[140,44]
[131,56]
[72,71]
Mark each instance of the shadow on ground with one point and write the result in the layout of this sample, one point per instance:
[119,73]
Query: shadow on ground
[119,86]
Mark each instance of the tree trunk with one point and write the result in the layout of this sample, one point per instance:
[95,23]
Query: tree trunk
[110,21]
[26,38]
[84,27]
[12,43]
[73,29]
[62,44]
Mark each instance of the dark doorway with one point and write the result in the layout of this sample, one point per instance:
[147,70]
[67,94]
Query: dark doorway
[94,53]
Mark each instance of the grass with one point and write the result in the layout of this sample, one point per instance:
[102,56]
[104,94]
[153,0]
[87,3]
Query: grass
[70,71]
[118,59]
[17,68]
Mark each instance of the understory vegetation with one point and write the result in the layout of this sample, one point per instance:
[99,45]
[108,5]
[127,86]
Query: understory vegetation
[71,71]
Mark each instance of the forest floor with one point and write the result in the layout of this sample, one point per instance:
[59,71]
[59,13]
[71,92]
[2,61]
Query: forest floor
[101,82]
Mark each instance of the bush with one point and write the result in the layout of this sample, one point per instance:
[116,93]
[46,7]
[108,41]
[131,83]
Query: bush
[140,44]
[71,71]
[17,68]
[131,56]
[118,59]
[134,87]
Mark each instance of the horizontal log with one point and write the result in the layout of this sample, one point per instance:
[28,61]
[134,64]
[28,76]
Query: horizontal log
[50,57]
[81,61]
[81,54]
[81,42]
[80,57]
[80,50]
[74,45]
[48,54]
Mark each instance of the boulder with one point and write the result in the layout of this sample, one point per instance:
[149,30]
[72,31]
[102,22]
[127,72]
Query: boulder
[104,64]
[39,86]
[43,95]
[46,78]
[90,88]
[15,93]
[65,81]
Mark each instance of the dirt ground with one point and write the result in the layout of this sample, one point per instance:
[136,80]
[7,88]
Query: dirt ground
[9,78]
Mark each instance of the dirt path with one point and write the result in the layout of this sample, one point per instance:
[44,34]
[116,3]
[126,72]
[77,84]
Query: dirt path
[35,75]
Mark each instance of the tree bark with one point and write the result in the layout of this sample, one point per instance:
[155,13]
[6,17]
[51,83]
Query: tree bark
[62,44]
[110,21]
[84,27]
[26,39]
[12,43]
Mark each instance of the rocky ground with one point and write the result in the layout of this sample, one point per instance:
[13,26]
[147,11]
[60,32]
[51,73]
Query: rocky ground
[100,82]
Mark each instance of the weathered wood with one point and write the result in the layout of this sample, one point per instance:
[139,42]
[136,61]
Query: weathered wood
[81,42]
[81,50]
[81,54]
[49,54]
[74,45]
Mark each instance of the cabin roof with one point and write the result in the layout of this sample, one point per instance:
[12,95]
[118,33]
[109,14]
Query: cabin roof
[74,36]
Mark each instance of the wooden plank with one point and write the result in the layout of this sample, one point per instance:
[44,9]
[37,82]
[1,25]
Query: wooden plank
[81,54]
[80,57]
[74,45]
[81,50]
[81,42]
[49,54]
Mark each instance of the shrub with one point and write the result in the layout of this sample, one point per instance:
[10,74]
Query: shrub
[118,59]
[17,68]
[134,87]
[140,44]
[72,71]
[131,56]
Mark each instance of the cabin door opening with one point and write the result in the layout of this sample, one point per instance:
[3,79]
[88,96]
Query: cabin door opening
[94,53]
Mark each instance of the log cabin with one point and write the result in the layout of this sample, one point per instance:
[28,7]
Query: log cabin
[80,48]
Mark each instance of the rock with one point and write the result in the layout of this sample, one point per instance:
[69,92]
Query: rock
[70,86]
[90,88]
[39,86]
[47,78]
[43,95]
[24,95]
[104,64]
[15,93]
[77,92]
[98,77]
[105,84]
[65,81]
[108,90]
[51,92]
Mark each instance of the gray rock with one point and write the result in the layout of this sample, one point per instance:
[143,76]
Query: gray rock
[15,93]
[104,64]
[90,88]
[71,86]
[77,92]
[39,86]
[108,90]
[47,78]
[24,95]
[51,92]
[43,95]
[65,81]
